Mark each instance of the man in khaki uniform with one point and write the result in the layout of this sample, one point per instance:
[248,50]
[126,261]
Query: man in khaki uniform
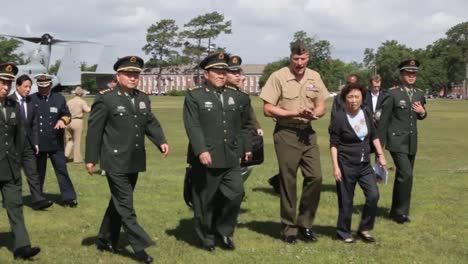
[77,107]
[295,96]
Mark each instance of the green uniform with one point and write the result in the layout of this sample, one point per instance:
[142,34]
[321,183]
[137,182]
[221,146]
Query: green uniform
[220,128]
[116,128]
[399,133]
[11,148]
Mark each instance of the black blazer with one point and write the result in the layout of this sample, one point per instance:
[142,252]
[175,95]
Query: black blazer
[30,124]
[349,145]
[380,99]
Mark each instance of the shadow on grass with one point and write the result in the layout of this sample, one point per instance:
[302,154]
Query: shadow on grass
[267,228]
[6,240]
[267,190]
[270,191]
[121,247]
[381,211]
[273,229]
[185,232]
[54,197]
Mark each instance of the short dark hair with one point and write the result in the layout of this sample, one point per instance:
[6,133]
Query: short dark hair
[351,76]
[20,80]
[352,86]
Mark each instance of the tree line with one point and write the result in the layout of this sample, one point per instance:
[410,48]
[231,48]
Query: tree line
[179,50]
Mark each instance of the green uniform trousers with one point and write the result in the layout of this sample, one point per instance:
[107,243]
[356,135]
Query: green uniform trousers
[120,212]
[403,185]
[297,148]
[13,204]
[217,196]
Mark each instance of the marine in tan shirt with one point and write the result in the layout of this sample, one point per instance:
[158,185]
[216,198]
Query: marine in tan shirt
[295,95]
[77,107]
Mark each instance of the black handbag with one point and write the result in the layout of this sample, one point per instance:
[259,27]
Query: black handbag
[257,152]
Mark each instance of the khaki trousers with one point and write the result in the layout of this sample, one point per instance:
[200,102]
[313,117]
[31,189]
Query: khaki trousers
[73,140]
[297,148]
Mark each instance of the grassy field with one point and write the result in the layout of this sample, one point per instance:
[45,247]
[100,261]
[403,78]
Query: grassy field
[438,232]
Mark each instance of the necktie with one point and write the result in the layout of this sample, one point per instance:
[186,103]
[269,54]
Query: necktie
[220,97]
[23,112]
[2,108]
[409,91]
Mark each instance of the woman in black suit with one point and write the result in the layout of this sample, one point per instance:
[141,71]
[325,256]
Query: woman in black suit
[351,134]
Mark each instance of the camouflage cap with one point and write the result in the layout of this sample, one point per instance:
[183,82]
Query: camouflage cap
[215,60]
[298,47]
[129,63]
[43,79]
[410,65]
[8,71]
[234,63]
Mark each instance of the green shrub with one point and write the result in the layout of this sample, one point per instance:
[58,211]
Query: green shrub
[176,93]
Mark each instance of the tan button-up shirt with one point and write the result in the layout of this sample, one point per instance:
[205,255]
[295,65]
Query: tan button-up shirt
[283,90]
[77,107]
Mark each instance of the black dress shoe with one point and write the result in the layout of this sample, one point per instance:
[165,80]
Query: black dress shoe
[227,243]
[104,245]
[70,203]
[26,252]
[143,257]
[366,237]
[41,205]
[308,235]
[290,239]
[400,219]
[275,183]
[209,248]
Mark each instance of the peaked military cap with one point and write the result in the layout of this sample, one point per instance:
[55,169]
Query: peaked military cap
[234,63]
[298,47]
[410,65]
[8,71]
[215,60]
[43,79]
[129,63]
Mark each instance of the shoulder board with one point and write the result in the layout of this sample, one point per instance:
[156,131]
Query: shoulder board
[105,91]
[194,88]
[394,87]
[142,91]
[230,87]
[419,90]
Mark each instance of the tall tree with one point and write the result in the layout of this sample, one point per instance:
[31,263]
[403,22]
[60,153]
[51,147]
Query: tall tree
[388,56]
[202,30]
[8,48]
[163,40]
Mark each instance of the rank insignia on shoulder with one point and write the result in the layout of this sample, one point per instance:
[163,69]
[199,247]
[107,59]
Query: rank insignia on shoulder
[143,91]
[230,87]
[193,88]
[394,87]
[105,91]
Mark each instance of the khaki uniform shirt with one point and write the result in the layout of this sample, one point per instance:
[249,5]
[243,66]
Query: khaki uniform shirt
[77,107]
[283,90]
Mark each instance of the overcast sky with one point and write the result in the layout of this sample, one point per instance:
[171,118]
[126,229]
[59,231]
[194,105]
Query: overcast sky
[261,29]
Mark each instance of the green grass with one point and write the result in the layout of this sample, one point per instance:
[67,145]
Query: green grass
[437,234]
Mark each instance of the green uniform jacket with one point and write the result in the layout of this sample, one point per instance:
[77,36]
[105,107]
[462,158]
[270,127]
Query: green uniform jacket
[223,131]
[397,126]
[12,139]
[116,130]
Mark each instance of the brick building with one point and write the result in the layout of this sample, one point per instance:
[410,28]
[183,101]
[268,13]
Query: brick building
[182,81]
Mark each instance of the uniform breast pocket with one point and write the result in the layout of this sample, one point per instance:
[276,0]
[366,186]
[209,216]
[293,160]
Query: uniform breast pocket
[119,114]
[290,99]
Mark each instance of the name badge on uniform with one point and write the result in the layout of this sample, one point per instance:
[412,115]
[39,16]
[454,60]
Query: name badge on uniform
[121,109]
[402,103]
[208,105]
[142,105]
[53,110]
[231,101]
[13,115]
[312,88]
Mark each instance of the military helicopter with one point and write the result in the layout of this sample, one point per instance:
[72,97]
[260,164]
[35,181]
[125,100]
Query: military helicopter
[69,72]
